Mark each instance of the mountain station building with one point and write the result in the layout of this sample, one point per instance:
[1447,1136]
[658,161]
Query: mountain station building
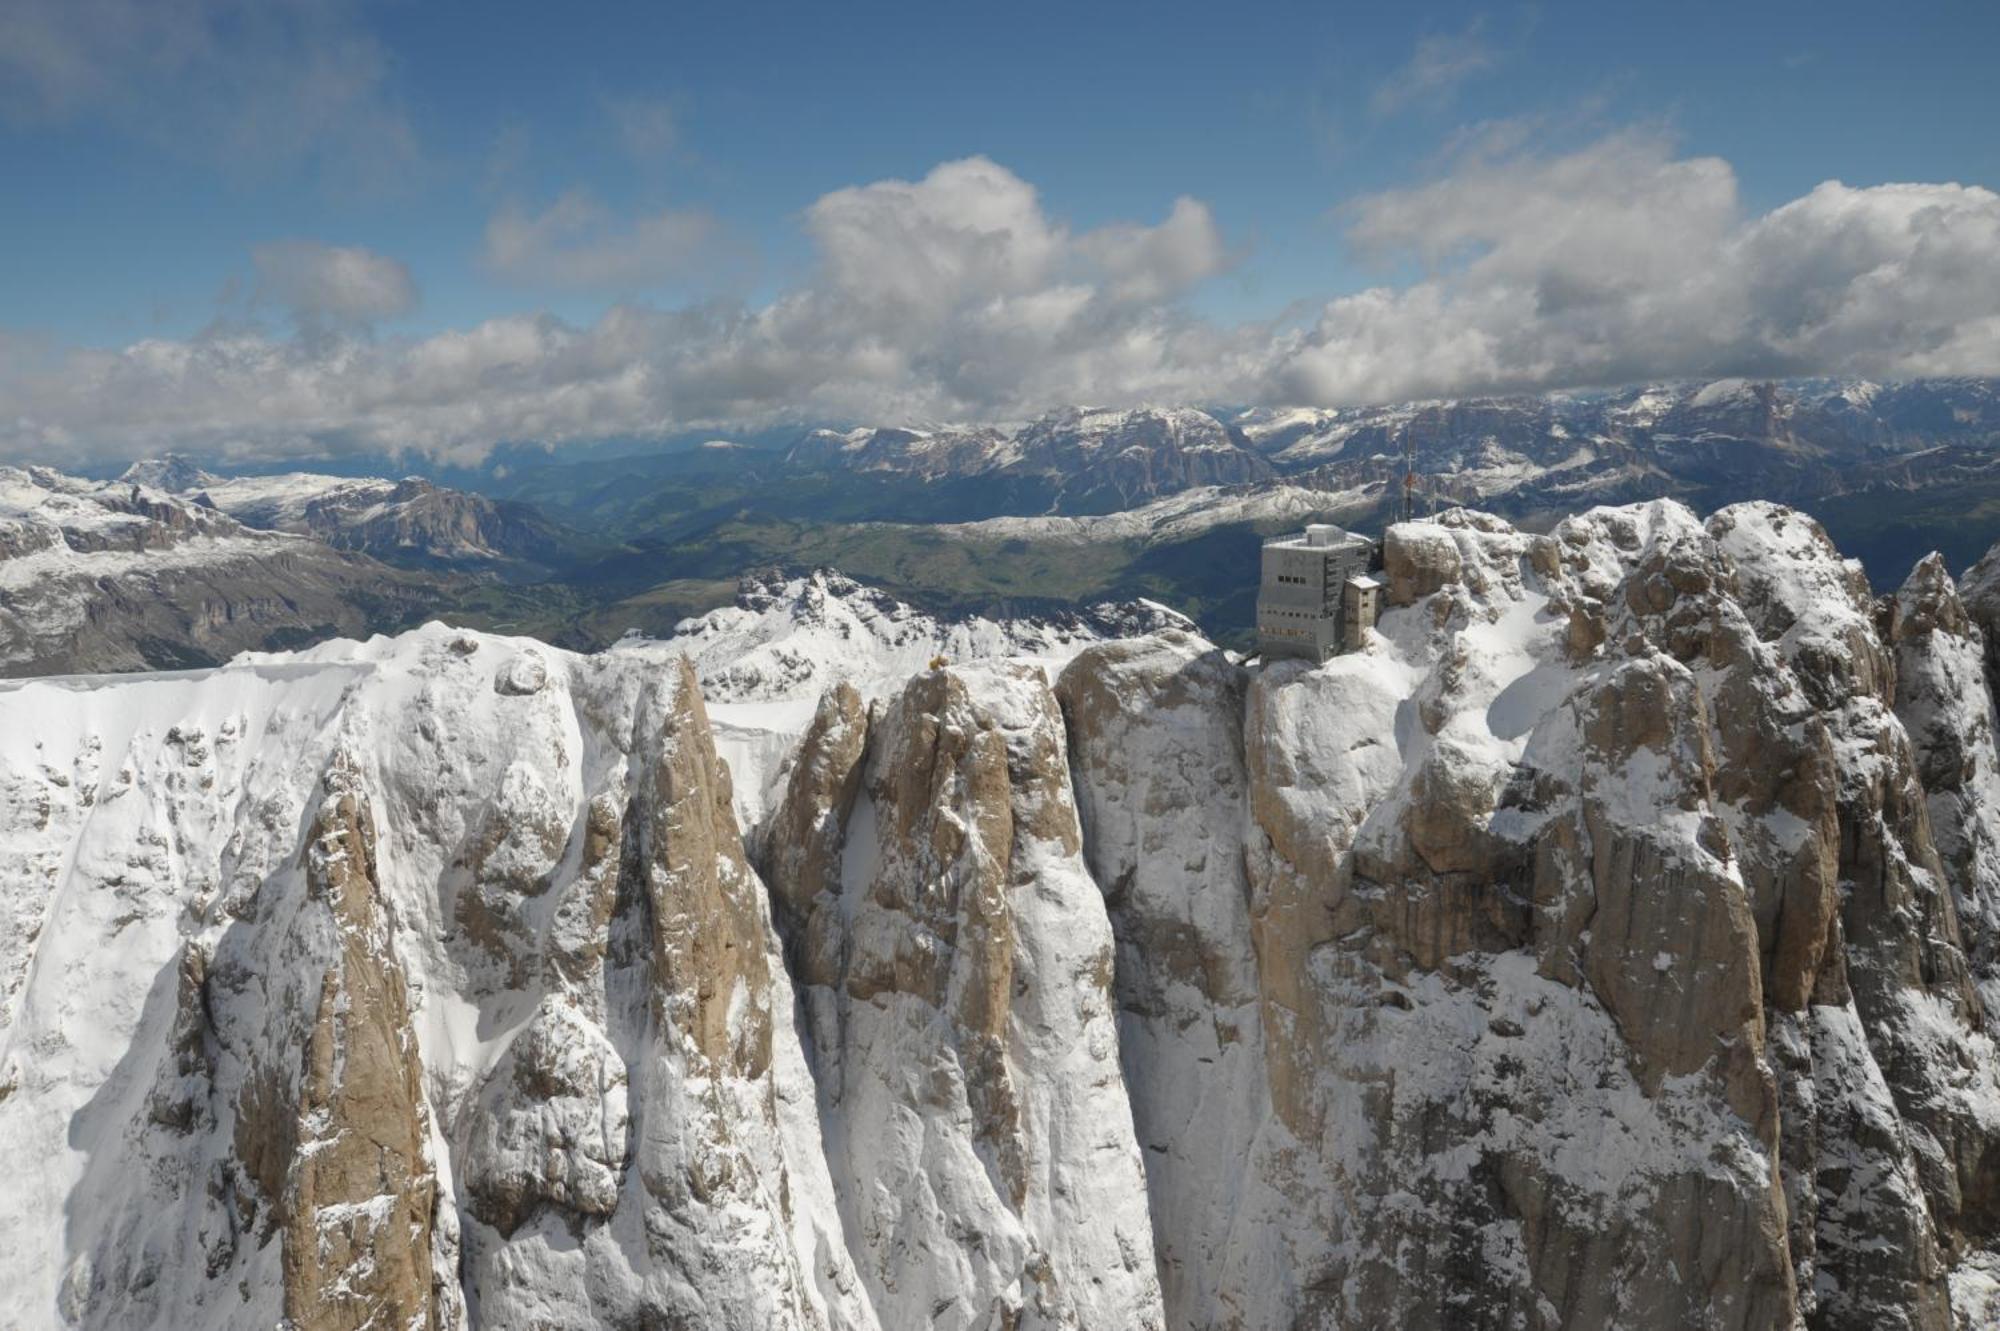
[1318,597]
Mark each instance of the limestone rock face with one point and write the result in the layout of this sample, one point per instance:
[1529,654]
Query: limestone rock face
[1903,963]
[429,1004]
[805,843]
[359,1190]
[1416,561]
[629,1158]
[1613,940]
[1611,792]
[956,963]
[1155,729]
[1440,837]
[1943,701]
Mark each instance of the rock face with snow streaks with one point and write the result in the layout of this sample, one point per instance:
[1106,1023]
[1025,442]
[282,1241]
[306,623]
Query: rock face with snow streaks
[1611,941]
[1551,906]
[501,1038]
[119,576]
[1155,730]
[409,522]
[957,964]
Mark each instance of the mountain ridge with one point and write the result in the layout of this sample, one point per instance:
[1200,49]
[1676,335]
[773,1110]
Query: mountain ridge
[1608,941]
[99,576]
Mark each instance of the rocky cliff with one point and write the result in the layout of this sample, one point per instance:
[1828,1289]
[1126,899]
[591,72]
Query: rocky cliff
[1611,942]
[122,576]
[408,522]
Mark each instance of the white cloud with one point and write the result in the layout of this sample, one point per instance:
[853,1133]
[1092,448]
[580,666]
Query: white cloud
[960,296]
[1904,277]
[1440,63]
[1622,261]
[1145,264]
[244,84]
[577,242]
[333,288]
[969,231]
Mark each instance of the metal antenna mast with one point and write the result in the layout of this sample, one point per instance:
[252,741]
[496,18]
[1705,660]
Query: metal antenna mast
[1409,475]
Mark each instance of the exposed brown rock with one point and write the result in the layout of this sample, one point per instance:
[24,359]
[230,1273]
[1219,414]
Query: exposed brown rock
[1417,559]
[941,786]
[359,1190]
[709,939]
[804,843]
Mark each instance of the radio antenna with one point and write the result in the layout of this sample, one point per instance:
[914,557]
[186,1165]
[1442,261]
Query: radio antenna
[1409,475]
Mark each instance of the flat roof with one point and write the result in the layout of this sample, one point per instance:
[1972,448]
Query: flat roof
[1302,541]
[1365,582]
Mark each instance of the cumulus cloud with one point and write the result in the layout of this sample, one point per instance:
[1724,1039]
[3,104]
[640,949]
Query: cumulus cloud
[960,296]
[245,84]
[1621,261]
[577,242]
[954,295]
[1904,277]
[333,288]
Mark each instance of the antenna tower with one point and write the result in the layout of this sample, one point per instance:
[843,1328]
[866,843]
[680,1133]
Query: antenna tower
[1409,476]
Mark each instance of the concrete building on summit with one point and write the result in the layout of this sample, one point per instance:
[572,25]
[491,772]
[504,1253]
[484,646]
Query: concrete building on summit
[1317,598]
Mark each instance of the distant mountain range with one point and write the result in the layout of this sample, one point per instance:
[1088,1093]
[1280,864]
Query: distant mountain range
[1804,438]
[117,575]
[1894,470]
[1086,458]
[1078,505]
[410,521]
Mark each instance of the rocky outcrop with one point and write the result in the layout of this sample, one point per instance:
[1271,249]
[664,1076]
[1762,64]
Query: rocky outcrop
[409,522]
[1944,703]
[353,1148]
[809,833]
[97,577]
[1595,793]
[506,1041]
[630,1159]
[1609,942]
[1155,728]
[956,969]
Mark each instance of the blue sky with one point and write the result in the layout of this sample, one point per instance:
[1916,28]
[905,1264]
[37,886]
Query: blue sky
[410,172]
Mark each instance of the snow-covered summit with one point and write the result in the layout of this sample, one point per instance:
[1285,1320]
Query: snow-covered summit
[787,639]
[765,661]
[171,472]
[1092,430]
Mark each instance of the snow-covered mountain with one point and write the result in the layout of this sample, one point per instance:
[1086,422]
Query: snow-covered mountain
[1134,455]
[789,639]
[926,454]
[1613,941]
[1814,416]
[121,576]
[1082,457]
[1717,442]
[1177,517]
[765,662]
[1796,440]
[410,521]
